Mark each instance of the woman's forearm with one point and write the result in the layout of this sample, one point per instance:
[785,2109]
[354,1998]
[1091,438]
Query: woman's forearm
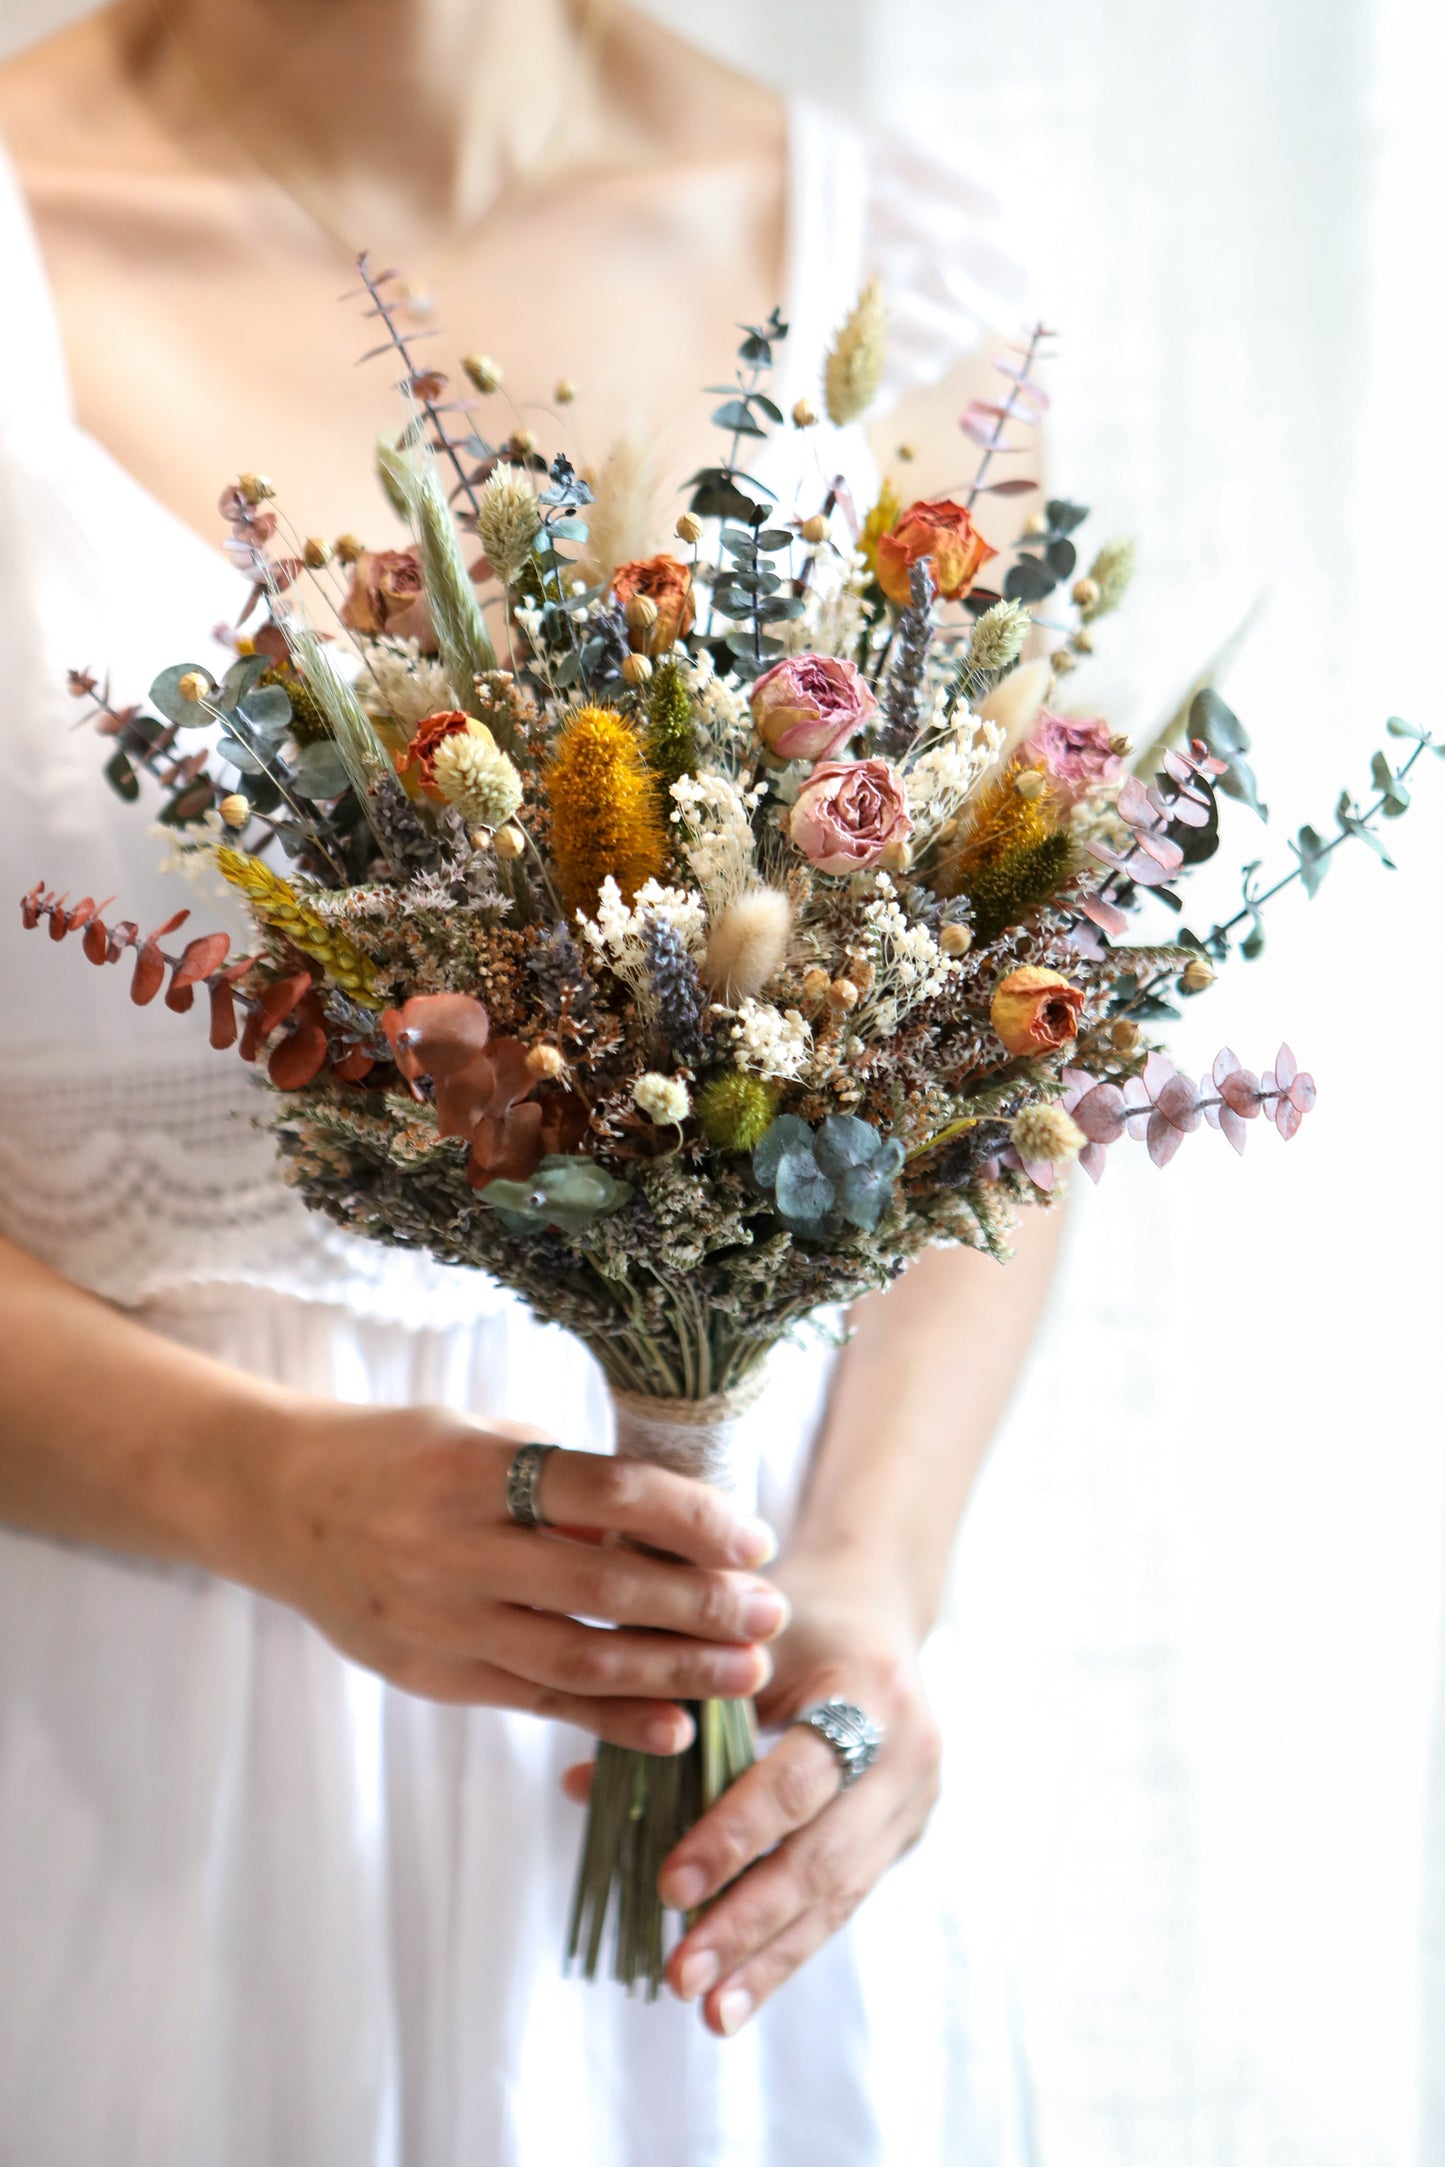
[110,1433]
[918,1394]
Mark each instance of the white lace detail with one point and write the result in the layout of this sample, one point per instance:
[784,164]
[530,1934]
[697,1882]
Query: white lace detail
[157,1182]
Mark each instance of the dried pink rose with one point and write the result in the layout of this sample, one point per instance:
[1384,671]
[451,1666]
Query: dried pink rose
[388,597]
[847,813]
[808,707]
[1073,750]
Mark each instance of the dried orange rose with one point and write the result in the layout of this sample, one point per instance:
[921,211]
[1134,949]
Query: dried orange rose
[941,531]
[1035,1011]
[665,582]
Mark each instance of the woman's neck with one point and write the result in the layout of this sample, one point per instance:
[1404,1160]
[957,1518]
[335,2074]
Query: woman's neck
[414,116]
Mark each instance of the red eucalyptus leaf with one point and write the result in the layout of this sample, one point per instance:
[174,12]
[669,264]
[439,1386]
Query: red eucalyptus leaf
[428,385]
[180,998]
[96,942]
[177,918]
[298,1059]
[511,1077]
[30,907]
[58,926]
[200,957]
[437,1034]
[1164,1138]
[82,914]
[564,1122]
[354,1066]
[223,1015]
[150,972]
[508,1148]
[278,1000]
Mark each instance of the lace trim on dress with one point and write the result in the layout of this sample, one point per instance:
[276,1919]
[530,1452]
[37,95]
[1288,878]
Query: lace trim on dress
[159,1184]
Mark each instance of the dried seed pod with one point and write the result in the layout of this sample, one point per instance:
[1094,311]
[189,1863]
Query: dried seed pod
[316,552]
[194,686]
[842,994]
[955,940]
[564,391]
[1197,976]
[689,527]
[509,842]
[897,855]
[1124,1034]
[805,414]
[815,986]
[546,1062]
[636,669]
[907,453]
[814,529]
[640,613]
[348,548]
[255,488]
[1030,783]
[1086,592]
[483,372]
[235,810]
[522,443]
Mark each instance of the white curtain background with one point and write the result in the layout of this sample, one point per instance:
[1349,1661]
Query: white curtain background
[1198,1662]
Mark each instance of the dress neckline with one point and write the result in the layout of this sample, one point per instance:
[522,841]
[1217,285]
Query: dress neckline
[823,249]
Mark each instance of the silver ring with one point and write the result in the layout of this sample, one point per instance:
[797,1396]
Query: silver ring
[524,1478]
[854,1737]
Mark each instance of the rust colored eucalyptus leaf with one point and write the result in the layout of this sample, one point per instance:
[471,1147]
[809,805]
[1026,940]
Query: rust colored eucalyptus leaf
[507,1148]
[354,1066]
[223,1015]
[298,1059]
[95,942]
[150,972]
[436,1034]
[200,957]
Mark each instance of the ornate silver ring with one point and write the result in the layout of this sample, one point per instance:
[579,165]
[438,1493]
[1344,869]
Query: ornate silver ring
[854,1737]
[524,1478]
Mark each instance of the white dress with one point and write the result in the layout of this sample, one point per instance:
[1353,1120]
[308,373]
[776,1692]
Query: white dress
[256,1907]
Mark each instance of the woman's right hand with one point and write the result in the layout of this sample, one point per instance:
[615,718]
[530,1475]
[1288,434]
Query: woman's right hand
[388,1528]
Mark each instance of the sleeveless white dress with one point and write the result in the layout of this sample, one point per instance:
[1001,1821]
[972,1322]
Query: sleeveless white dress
[256,1907]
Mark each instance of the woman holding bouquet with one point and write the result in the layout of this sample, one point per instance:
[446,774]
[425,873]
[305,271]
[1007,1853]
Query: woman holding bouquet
[283,1850]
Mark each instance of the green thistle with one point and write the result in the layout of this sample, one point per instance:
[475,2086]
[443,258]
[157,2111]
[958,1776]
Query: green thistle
[735,1111]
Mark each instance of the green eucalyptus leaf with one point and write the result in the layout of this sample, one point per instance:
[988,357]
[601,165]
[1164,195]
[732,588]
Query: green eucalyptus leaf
[318,771]
[167,696]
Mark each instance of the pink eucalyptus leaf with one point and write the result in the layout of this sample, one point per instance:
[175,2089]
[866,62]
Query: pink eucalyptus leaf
[1133,803]
[1226,1063]
[1147,871]
[1179,1103]
[1233,1128]
[1240,1093]
[1267,1084]
[1190,812]
[1100,1113]
[1287,1118]
[1302,1092]
[1104,914]
[1157,1071]
[1040,1173]
[1177,767]
[1214,1111]
[1285,1069]
[1085,942]
[1093,1159]
[1164,1138]
[1105,855]
[1162,851]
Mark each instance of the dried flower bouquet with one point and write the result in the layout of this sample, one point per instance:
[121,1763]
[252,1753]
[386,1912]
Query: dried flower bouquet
[719,935]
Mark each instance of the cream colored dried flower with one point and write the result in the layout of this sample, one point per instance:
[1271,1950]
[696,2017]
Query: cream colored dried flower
[1047,1135]
[998,638]
[475,776]
[508,521]
[747,943]
[1110,574]
[625,517]
[662,1098]
[853,371]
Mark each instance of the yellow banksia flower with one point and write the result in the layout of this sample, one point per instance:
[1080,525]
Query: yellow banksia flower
[853,371]
[275,900]
[881,520]
[605,812]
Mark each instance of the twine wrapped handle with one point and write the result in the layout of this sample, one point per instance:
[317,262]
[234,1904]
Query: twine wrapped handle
[691,1437]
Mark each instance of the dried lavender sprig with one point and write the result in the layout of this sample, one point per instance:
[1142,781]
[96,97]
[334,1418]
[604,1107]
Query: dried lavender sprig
[562,976]
[908,669]
[409,843]
[677,990]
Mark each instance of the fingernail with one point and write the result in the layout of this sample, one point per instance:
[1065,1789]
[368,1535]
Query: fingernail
[701,1970]
[733,2010]
[765,1612]
[755,1543]
[683,1888]
[670,1734]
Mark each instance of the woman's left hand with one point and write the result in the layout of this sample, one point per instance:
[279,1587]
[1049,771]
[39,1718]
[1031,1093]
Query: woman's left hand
[794,1853]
